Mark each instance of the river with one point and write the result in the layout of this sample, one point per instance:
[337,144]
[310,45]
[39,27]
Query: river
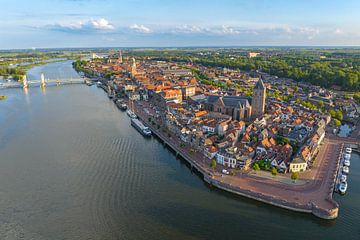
[72,167]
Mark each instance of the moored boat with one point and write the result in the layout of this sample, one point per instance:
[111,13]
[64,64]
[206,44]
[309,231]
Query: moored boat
[131,114]
[140,127]
[343,187]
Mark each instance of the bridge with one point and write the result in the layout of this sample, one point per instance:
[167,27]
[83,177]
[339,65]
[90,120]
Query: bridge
[42,82]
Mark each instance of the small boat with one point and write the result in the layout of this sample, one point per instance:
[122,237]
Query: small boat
[348,150]
[141,127]
[131,114]
[347,163]
[343,178]
[345,170]
[347,156]
[89,83]
[98,83]
[123,106]
[343,187]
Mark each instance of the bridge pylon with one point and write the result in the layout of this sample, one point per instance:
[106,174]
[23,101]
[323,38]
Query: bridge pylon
[25,82]
[42,83]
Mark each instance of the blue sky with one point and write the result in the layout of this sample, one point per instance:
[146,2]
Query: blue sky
[139,23]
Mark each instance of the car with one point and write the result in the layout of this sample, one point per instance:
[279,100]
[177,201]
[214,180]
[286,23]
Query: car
[343,188]
[343,178]
[345,170]
[348,150]
[224,171]
[347,163]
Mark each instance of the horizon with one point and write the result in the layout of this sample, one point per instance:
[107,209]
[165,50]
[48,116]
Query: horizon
[156,24]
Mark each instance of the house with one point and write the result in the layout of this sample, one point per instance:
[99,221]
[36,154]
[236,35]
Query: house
[210,152]
[298,165]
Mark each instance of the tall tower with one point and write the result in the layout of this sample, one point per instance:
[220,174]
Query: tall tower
[120,57]
[133,67]
[258,100]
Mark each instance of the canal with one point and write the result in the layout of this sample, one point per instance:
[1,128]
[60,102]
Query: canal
[72,167]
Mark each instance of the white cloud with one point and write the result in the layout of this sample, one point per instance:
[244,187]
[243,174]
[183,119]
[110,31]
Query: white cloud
[101,24]
[140,28]
[91,25]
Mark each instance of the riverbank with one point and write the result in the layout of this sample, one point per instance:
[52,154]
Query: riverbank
[312,197]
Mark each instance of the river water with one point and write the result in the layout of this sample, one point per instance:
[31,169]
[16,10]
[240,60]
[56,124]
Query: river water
[72,167]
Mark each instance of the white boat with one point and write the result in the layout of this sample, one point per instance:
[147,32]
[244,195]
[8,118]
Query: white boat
[140,127]
[348,150]
[131,114]
[347,156]
[343,178]
[343,187]
[347,163]
[345,170]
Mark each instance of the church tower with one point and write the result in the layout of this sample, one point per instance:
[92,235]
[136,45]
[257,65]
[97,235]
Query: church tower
[258,100]
[120,60]
[133,67]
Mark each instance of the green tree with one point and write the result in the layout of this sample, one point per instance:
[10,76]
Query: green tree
[321,104]
[339,115]
[256,167]
[337,122]
[295,176]
[274,171]
[213,164]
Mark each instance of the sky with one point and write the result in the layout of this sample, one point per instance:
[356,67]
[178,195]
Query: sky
[26,24]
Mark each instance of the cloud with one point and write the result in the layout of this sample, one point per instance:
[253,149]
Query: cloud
[140,28]
[92,25]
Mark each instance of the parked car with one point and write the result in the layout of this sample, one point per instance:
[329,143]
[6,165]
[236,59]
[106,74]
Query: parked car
[224,171]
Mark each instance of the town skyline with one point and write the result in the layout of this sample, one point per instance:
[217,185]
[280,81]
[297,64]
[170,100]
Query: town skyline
[91,23]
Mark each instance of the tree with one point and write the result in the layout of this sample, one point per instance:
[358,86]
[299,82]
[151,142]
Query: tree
[339,115]
[274,171]
[256,167]
[213,164]
[295,176]
[321,104]
[337,122]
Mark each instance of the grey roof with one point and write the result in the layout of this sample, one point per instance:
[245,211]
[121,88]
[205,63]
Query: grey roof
[230,101]
[259,84]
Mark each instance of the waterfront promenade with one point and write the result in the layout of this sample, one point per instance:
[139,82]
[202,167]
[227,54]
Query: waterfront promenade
[313,196]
